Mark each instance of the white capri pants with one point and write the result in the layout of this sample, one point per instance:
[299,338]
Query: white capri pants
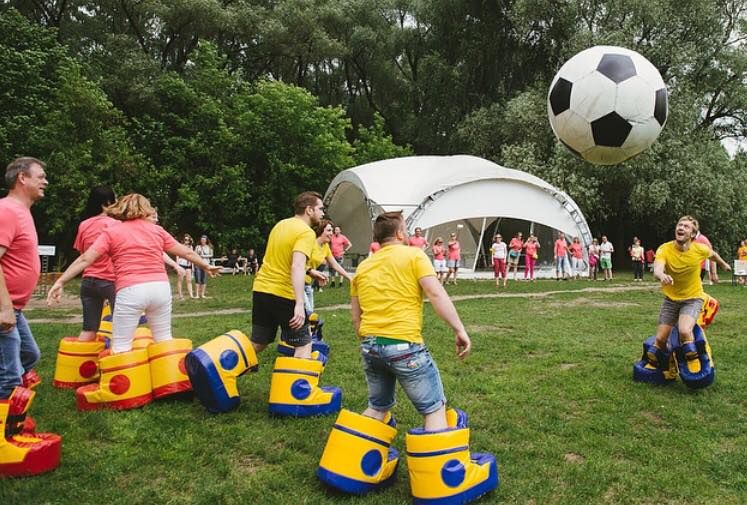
[153,298]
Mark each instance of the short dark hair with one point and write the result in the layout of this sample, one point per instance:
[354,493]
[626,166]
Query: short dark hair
[98,198]
[305,199]
[386,225]
[319,229]
[17,166]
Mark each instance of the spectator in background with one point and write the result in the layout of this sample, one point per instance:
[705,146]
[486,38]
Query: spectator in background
[499,252]
[186,265]
[339,246]
[97,284]
[707,266]
[252,262]
[439,259]
[637,258]
[373,247]
[594,253]
[453,256]
[605,257]
[577,257]
[561,257]
[531,253]
[514,252]
[205,251]
[418,240]
[650,257]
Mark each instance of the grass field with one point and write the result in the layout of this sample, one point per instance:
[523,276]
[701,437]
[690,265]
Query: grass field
[548,389]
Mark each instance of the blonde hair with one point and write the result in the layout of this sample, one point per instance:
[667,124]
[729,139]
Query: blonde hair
[696,225]
[132,206]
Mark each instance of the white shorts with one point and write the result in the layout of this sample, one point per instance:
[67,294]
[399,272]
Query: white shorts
[153,298]
[439,265]
[452,263]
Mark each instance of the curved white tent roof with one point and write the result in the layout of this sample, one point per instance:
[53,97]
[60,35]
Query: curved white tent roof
[436,190]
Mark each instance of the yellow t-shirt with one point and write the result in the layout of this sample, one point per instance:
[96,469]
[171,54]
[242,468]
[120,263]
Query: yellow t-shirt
[742,253]
[288,236]
[389,293]
[684,267]
[319,255]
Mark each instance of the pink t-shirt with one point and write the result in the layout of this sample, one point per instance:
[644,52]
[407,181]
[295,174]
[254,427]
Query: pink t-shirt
[577,250]
[20,263]
[88,231]
[337,244]
[516,244]
[439,252]
[561,247]
[136,248]
[702,239]
[418,242]
[375,246]
[531,248]
[454,250]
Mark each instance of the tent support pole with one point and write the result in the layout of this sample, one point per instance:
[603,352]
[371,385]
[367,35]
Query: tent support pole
[479,245]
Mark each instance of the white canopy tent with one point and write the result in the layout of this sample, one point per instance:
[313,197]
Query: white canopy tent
[437,193]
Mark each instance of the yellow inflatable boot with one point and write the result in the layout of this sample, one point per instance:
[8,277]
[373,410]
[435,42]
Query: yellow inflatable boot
[358,457]
[77,363]
[295,391]
[125,383]
[708,312]
[442,470]
[168,372]
[213,368]
[23,453]
[142,338]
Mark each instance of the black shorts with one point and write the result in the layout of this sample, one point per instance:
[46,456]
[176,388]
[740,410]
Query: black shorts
[270,312]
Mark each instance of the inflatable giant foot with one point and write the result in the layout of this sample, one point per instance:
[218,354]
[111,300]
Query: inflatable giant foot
[442,470]
[655,366]
[708,312]
[358,457]
[77,363]
[168,372]
[21,453]
[213,368]
[18,420]
[143,338]
[317,346]
[104,333]
[125,383]
[694,359]
[295,391]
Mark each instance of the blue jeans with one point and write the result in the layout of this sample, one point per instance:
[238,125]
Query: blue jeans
[410,364]
[18,354]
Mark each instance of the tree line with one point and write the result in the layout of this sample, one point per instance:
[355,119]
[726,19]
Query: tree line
[220,110]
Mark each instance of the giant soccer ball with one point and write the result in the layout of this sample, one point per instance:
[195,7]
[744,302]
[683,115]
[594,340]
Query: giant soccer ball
[607,104]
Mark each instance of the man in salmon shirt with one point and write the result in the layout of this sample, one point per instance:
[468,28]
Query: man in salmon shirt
[561,257]
[418,240]
[19,272]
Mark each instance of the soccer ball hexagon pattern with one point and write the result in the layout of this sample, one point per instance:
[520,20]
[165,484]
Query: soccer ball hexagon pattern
[607,104]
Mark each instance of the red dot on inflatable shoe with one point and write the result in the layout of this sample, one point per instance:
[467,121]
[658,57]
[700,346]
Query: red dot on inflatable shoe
[87,369]
[182,367]
[119,384]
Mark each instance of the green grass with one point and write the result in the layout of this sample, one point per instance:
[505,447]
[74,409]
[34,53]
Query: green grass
[548,389]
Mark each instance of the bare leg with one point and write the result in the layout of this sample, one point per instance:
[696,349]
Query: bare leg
[303,352]
[435,421]
[375,414]
[87,336]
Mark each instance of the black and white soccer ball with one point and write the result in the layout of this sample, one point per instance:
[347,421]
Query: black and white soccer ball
[607,104]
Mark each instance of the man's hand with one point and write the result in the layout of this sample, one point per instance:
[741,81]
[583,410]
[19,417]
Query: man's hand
[213,271]
[321,277]
[666,279]
[7,319]
[463,344]
[299,317]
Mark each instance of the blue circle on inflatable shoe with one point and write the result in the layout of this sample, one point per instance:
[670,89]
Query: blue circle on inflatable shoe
[301,389]
[453,472]
[371,462]
[229,359]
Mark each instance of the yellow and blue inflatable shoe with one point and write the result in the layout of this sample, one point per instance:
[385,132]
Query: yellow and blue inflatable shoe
[315,327]
[77,363]
[24,453]
[694,359]
[168,372]
[358,457]
[125,383]
[288,350]
[655,366]
[213,368]
[295,391]
[708,312]
[442,470]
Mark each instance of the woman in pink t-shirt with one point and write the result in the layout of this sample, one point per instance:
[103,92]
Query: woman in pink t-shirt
[136,247]
[453,256]
[439,259]
[531,247]
[577,257]
[97,284]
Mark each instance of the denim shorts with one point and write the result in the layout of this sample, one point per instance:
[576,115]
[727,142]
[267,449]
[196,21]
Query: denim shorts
[410,364]
[671,310]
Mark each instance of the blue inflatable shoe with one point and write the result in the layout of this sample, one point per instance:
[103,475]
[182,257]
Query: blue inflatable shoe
[695,359]
[358,457]
[442,470]
[295,390]
[213,368]
[655,366]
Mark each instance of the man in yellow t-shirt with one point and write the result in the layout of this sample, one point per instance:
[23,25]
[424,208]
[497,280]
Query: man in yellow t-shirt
[387,309]
[677,266]
[277,298]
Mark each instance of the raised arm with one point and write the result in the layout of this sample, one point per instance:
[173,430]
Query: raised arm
[81,263]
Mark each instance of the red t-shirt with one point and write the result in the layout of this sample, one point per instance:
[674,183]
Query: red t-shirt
[454,250]
[136,248]
[577,250]
[561,247]
[650,256]
[337,244]
[439,252]
[531,248]
[418,242]
[20,263]
[375,246]
[516,244]
[88,231]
